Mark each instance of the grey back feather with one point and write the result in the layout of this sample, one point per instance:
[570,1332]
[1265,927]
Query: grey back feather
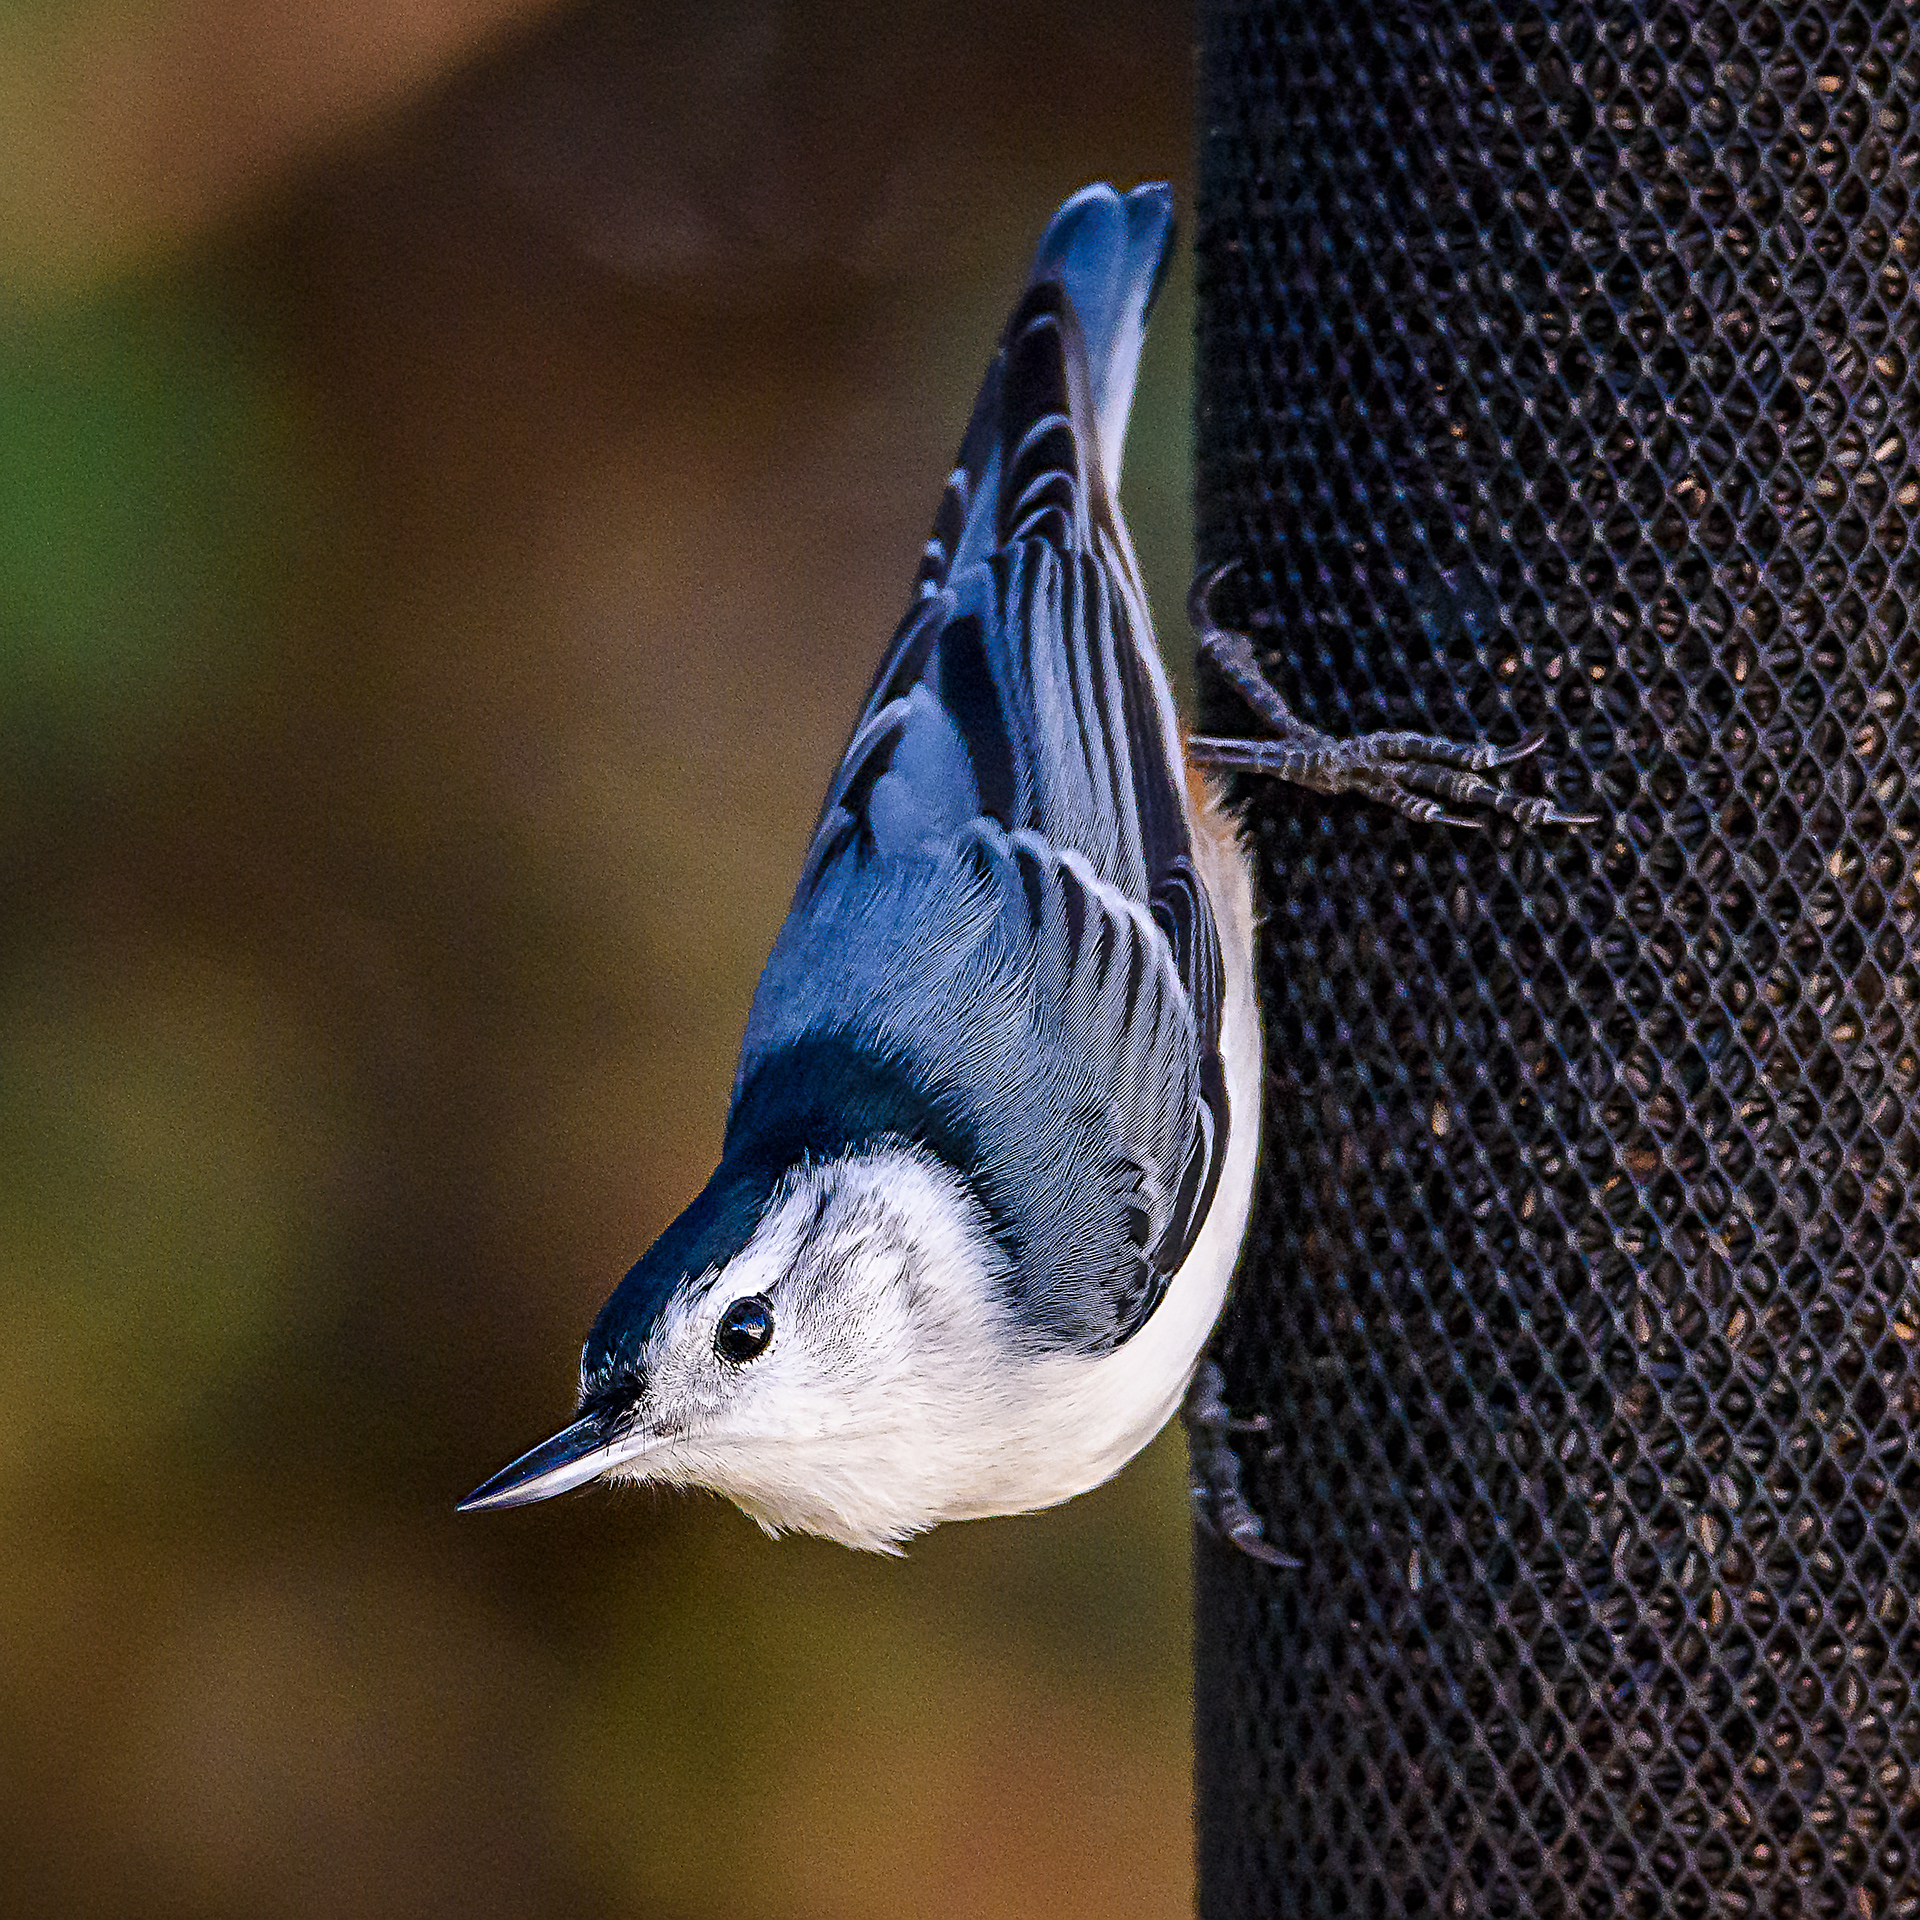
[999,939]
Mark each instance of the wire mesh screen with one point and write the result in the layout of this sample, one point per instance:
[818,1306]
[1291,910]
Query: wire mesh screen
[1555,372]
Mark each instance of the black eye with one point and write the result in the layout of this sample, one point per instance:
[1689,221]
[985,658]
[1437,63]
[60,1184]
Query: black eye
[744,1330]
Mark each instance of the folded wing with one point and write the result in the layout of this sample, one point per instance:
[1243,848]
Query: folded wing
[1000,945]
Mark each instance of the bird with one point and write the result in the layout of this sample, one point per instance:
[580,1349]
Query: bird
[992,1140]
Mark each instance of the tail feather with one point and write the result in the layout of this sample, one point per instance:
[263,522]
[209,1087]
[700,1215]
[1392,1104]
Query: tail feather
[1107,252]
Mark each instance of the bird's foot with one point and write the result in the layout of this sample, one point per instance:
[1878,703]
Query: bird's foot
[1416,774]
[1219,1503]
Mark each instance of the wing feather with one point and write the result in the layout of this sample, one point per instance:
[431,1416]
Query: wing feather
[1000,901]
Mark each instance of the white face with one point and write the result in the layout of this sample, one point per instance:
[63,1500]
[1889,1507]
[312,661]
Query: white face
[817,1378]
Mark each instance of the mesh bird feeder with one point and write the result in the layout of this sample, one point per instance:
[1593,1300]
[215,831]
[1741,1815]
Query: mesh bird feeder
[1556,370]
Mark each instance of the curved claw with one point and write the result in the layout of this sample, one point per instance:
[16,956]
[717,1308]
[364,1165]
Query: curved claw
[1219,1503]
[1247,1533]
[1200,596]
[1529,745]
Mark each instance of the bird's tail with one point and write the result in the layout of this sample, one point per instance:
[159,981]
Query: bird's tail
[1108,253]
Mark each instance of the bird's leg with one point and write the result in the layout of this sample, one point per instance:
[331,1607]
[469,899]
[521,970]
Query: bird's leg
[1417,774]
[1219,1504]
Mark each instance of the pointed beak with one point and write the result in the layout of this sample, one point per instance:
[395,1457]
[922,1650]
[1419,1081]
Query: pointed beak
[573,1456]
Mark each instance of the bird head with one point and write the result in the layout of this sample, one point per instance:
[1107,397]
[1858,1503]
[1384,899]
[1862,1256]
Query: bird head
[802,1343]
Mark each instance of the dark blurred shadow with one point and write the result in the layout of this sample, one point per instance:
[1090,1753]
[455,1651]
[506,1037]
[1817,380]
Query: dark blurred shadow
[431,610]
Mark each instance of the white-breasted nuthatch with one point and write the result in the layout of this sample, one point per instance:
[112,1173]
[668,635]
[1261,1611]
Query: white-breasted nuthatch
[992,1140]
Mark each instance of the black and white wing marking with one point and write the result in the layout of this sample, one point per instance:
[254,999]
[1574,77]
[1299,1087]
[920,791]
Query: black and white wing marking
[1029,634]
[1015,782]
[1127,1088]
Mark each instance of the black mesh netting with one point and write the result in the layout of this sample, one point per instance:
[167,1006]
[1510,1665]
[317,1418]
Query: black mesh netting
[1555,372]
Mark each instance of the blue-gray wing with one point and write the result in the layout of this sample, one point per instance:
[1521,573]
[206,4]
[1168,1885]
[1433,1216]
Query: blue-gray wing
[1028,628]
[999,944]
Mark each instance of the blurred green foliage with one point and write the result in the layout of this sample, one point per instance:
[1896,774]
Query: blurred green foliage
[164,1137]
[146,476]
[429,609]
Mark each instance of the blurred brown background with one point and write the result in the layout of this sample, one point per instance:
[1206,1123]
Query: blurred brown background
[459,460]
